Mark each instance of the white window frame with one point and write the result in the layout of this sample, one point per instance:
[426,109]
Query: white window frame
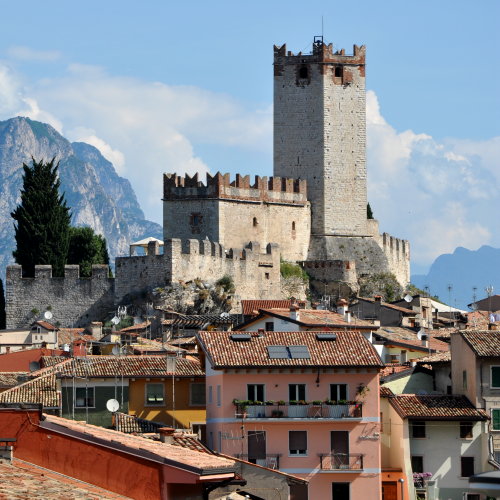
[89,388]
[255,390]
[150,403]
[346,391]
[296,392]
[191,385]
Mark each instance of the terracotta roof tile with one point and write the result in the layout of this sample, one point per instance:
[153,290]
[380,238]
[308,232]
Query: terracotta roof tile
[409,338]
[436,407]
[438,357]
[69,335]
[251,307]
[21,480]
[385,392]
[41,390]
[393,369]
[350,348]
[130,424]
[46,325]
[10,379]
[188,457]
[484,343]
[130,366]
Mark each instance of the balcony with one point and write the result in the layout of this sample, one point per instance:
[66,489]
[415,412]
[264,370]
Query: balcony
[271,461]
[251,410]
[341,461]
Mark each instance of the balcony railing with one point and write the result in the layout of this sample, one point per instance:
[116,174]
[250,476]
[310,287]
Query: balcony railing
[271,461]
[350,410]
[341,461]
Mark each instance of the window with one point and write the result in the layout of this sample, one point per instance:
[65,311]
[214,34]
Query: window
[403,356]
[303,72]
[465,430]
[154,395]
[495,377]
[195,219]
[464,379]
[210,395]
[269,326]
[418,429]
[338,71]
[495,419]
[255,222]
[296,392]
[197,394]
[219,396]
[473,496]
[417,463]
[293,226]
[267,275]
[338,392]
[255,392]
[297,442]
[466,466]
[84,397]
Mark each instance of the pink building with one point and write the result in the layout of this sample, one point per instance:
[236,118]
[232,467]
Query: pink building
[303,402]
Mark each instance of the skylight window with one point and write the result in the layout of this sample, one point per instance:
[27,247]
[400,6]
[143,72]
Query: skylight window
[288,352]
[241,336]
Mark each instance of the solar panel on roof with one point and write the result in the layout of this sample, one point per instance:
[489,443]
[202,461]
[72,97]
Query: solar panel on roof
[277,352]
[241,336]
[326,336]
[299,352]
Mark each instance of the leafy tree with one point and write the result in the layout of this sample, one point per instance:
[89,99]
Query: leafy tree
[86,248]
[369,212]
[384,284]
[2,307]
[42,220]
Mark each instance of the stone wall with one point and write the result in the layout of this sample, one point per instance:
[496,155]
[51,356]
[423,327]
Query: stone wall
[232,213]
[73,301]
[338,278]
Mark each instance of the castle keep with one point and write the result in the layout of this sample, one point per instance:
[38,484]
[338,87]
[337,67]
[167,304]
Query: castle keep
[312,211]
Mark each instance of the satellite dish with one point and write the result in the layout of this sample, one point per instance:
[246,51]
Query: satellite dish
[116,351]
[408,297]
[421,333]
[115,320]
[47,315]
[112,405]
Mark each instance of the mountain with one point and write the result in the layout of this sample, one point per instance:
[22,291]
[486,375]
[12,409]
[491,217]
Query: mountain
[97,195]
[463,270]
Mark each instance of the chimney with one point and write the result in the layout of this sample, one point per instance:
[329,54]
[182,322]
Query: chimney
[96,329]
[294,312]
[378,298]
[425,340]
[342,305]
[166,434]
[261,332]
[6,452]
[347,316]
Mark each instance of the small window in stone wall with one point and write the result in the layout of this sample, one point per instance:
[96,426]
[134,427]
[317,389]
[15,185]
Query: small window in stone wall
[267,276]
[338,71]
[255,222]
[303,72]
[195,221]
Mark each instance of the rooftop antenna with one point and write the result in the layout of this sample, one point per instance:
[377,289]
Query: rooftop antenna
[489,292]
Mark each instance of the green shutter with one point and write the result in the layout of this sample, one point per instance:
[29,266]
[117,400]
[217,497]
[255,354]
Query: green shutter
[495,376]
[495,417]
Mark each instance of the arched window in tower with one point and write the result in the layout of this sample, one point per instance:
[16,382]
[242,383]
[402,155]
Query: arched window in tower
[255,222]
[338,71]
[303,72]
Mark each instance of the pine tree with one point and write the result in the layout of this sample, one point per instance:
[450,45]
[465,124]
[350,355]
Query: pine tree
[43,220]
[86,248]
[2,307]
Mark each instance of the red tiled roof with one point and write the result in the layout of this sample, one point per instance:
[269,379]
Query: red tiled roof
[436,407]
[319,317]
[406,337]
[53,360]
[10,379]
[350,348]
[438,357]
[393,369]
[46,325]
[42,390]
[191,458]
[478,320]
[484,343]
[130,366]
[21,480]
[69,335]
[385,392]
[251,307]
[135,328]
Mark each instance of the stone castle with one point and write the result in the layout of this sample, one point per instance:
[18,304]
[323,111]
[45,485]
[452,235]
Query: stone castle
[313,211]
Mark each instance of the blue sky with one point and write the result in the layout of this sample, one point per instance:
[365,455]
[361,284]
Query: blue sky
[160,86]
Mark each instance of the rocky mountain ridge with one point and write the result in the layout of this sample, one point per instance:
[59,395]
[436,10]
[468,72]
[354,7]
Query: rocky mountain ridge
[97,195]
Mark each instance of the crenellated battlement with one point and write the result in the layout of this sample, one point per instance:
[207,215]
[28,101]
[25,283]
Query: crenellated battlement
[220,186]
[73,300]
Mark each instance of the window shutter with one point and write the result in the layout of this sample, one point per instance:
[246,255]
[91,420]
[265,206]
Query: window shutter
[495,417]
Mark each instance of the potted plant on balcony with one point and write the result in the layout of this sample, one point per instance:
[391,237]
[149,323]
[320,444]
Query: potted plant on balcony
[420,479]
[241,407]
[270,402]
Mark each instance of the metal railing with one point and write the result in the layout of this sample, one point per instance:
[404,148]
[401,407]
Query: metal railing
[271,461]
[341,461]
[351,410]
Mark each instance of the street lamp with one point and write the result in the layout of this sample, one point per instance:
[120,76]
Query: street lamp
[402,482]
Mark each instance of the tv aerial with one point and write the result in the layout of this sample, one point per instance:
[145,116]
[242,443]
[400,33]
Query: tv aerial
[112,405]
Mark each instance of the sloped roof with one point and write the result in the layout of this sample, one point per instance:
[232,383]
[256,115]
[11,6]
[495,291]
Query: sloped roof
[484,343]
[409,312]
[10,379]
[408,338]
[350,348]
[130,366]
[130,424]
[53,360]
[436,407]
[438,357]
[251,307]
[46,325]
[203,463]
[197,321]
[395,369]
[41,390]
[69,335]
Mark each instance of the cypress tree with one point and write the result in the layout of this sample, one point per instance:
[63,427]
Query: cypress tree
[43,220]
[86,248]
[369,212]
[2,307]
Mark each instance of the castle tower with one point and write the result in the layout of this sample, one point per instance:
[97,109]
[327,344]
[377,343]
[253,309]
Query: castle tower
[320,136]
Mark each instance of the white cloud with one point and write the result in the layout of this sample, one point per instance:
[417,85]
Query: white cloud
[437,195]
[28,54]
